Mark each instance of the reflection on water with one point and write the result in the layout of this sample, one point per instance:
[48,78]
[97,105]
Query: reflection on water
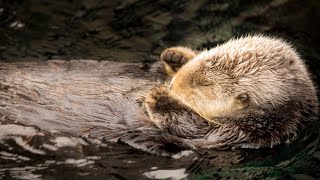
[118,161]
[137,31]
[163,174]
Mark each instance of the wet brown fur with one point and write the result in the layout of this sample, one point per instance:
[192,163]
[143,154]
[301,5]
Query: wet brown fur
[250,92]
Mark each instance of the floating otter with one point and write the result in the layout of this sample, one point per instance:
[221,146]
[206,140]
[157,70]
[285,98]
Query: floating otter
[250,92]
[255,91]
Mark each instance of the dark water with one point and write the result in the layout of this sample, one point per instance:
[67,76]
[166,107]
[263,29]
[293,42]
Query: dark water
[137,31]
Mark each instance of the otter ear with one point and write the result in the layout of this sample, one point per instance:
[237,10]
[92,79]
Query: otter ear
[242,98]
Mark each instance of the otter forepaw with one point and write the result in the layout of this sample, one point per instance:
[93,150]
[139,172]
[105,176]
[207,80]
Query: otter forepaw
[156,105]
[157,96]
[171,115]
[173,58]
[176,57]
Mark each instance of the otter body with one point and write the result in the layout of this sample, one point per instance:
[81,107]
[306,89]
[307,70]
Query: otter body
[253,91]
[250,92]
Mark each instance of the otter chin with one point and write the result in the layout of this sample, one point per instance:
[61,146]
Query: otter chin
[255,89]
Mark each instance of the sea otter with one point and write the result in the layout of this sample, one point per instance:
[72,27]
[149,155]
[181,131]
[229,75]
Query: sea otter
[253,92]
[250,92]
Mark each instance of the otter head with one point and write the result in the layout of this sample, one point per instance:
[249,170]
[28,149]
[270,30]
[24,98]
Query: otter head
[216,84]
[208,91]
[258,88]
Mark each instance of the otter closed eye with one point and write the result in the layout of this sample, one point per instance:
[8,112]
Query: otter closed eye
[256,87]
[243,97]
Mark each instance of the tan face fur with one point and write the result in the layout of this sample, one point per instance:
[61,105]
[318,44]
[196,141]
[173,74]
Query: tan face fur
[208,93]
[251,72]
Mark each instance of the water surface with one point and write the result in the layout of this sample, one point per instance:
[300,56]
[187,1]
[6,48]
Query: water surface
[137,31]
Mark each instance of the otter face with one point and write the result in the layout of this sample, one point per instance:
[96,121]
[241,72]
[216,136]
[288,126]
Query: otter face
[207,91]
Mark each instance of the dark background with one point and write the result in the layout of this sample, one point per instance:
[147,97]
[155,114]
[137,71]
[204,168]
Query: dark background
[137,31]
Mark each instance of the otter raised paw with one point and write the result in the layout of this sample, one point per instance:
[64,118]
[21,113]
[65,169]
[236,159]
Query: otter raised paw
[175,57]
